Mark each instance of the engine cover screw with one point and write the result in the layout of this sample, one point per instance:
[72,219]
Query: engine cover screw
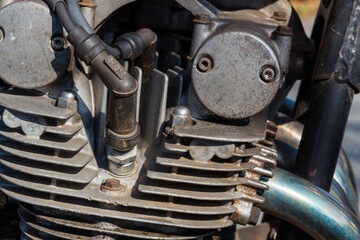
[57,43]
[111,185]
[205,64]
[267,74]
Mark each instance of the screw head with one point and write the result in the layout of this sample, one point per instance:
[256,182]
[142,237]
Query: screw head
[205,64]
[267,74]
[111,185]
[57,43]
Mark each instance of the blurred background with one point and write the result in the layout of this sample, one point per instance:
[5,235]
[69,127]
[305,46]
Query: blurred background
[307,10]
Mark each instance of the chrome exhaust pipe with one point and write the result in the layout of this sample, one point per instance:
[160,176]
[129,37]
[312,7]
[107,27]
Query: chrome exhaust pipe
[344,186]
[308,207]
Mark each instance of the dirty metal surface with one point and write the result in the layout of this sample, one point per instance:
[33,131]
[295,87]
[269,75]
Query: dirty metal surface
[254,131]
[30,215]
[233,88]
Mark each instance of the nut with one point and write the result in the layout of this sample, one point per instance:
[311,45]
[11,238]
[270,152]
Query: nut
[121,163]
[67,100]
[180,117]
[111,185]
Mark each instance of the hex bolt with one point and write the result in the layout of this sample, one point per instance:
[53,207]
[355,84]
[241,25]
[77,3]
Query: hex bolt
[254,216]
[284,31]
[1,35]
[57,43]
[111,185]
[267,74]
[279,15]
[205,64]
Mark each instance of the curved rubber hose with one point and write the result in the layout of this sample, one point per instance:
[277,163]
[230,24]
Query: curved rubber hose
[64,17]
[76,15]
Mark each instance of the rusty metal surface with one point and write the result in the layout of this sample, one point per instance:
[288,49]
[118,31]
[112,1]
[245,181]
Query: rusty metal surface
[28,59]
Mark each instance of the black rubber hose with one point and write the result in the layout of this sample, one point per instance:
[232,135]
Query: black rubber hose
[76,15]
[64,16]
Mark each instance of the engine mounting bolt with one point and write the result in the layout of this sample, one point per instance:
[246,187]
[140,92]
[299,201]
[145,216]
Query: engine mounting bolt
[111,185]
[279,15]
[57,43]
[1,35]
[267,74]
[205,64]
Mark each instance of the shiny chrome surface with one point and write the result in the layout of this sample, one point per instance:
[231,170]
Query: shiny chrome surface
[313,210]
[290,133]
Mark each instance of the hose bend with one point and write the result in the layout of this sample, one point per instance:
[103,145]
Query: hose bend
[76,15]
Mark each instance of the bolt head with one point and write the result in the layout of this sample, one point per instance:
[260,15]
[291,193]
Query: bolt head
[57,43]
[111,185]
[279,15]
[267,74]
[284,31]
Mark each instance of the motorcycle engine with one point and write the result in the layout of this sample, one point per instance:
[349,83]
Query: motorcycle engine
[187,155]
